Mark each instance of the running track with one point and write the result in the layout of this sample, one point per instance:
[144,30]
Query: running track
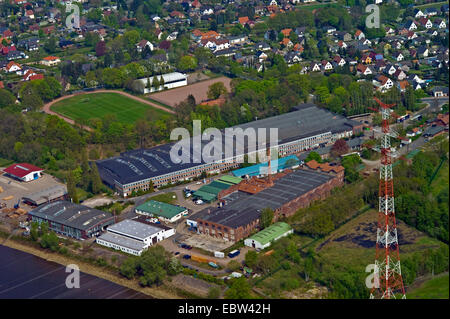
[46,107]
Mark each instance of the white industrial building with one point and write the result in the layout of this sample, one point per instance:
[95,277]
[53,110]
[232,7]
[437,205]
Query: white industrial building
[133,237]
[171,80]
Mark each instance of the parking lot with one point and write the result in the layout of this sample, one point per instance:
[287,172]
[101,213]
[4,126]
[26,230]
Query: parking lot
[14,190]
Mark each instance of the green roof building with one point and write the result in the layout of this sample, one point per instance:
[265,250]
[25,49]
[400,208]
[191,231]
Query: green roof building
[167,212]
[265,237]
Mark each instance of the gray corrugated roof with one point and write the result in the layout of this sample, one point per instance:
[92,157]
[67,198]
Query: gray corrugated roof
[242,208]
[134,229]
[72,215]
[307,120]
[122,241]
[47,194]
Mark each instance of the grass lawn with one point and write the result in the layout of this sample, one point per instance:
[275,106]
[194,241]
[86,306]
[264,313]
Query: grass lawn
[165,198]
[90,106]
[5,162]
[441,180]
[436,288]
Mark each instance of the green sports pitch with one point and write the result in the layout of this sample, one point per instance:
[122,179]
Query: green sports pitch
[97,105]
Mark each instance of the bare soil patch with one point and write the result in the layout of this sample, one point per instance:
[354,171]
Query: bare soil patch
[198,90]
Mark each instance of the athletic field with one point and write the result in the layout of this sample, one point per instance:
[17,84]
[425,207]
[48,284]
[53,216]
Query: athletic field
[97,105]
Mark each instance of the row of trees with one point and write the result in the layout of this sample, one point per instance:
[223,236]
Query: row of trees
[152,267]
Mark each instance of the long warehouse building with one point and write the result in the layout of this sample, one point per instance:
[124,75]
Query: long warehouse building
[72,220]
[240,215]
[306,128]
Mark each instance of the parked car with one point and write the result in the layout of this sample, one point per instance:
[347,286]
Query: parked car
[188,247]
[177,253]
[186,256]
[199,202]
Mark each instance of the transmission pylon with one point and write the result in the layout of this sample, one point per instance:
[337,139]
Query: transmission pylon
[388,275]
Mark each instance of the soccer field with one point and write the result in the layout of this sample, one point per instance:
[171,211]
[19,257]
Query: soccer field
[97,105]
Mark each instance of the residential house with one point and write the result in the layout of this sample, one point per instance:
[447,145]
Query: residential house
[383,83]
[398,56]
[359,35]
[50,61]
[13,67]
[366,59]
[338,61]
[287,42]
[422,51]
[440,23]
[286,32]
[439,91]
[315,67]
[143,44]
[430,11]
[172,36]
[418,13]
[402,85]
[426,23]
[399,74]
[326,65]
[362,69]
[292,58]
[410,25]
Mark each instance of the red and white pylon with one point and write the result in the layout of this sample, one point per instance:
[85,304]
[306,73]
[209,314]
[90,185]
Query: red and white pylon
[388,275]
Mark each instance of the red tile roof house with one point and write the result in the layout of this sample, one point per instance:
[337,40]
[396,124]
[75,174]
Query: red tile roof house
[24,172]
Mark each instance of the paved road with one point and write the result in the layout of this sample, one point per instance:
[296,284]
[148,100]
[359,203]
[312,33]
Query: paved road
[46,107]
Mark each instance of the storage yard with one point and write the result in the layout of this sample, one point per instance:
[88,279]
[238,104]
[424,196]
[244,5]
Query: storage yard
[18,197]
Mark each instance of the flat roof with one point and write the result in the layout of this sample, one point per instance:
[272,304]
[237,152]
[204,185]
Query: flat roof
[122,241]
[132,228]
[161,209]
[241,208]
[47,194]
[71,215]
[230,179]
[263,168]
[137,165]
[271,233]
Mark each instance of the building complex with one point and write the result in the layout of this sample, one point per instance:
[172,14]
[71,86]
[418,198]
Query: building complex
[306,128]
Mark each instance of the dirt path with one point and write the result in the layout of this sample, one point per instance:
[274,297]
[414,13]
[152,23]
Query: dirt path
[46,107]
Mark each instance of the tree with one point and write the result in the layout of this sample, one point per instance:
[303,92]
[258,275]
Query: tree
[128,267]
[313,156]
[215,90]
[266,217]
[155,83]
[339,148]
[251,258]
[6,98]
[187,63]
[96,180]
[100,48]
[233,265]
[85,180]
[50,45]
[240,289]
[71,189]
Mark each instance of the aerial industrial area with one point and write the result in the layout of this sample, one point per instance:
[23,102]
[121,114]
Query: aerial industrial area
[92,91]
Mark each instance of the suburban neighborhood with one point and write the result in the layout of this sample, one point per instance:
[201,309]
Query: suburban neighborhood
[93,91]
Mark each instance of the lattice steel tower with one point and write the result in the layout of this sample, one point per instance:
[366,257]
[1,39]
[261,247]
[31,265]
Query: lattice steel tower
[387,257]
